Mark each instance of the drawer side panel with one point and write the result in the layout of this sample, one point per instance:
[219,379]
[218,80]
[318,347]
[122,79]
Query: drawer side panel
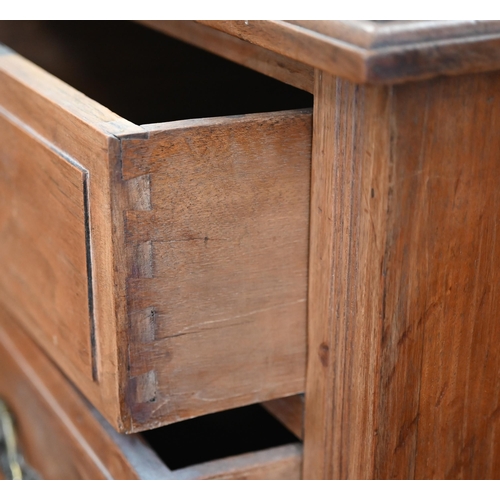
[216,230]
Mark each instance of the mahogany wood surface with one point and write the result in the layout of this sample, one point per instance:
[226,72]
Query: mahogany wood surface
[403,363]
[403,368]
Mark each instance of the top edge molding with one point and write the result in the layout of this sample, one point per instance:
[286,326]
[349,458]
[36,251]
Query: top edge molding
[376,51]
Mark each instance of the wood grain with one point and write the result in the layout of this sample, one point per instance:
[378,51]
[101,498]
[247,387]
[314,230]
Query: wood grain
[217,279]
[289,411]
[343,311]
[368,52]
[239,51]
[403,370]
[454,263]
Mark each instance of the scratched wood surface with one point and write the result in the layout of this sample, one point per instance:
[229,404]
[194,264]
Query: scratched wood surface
[403,370]
[216,283]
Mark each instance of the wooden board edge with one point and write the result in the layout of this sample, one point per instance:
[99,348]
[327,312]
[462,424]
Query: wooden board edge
[350,147]
[61,94]
[377,34]
[283,462]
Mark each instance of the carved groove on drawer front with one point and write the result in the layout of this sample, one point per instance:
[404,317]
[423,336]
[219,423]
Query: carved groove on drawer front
[88,240]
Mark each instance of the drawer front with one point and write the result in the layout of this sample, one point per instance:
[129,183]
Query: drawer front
[192,252]
[67,128]
[44,264]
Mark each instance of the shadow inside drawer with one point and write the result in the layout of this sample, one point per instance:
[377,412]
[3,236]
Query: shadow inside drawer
[146,76]
[218,435]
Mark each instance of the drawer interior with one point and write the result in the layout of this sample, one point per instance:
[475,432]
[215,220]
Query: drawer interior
[146,76]
[216,436]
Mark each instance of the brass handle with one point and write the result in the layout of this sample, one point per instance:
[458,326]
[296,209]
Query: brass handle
[12,463]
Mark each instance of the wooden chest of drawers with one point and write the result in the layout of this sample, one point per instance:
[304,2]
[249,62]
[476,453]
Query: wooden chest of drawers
[145,259]
[205,261]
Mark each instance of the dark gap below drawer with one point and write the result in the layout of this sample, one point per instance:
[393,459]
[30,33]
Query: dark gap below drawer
[146,76]
[219,435]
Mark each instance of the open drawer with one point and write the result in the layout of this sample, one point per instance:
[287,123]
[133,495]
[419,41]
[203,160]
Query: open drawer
[59,436]
[163,267]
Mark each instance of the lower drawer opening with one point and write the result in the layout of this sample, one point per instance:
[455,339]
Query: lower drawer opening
[146,76]
[216,436]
